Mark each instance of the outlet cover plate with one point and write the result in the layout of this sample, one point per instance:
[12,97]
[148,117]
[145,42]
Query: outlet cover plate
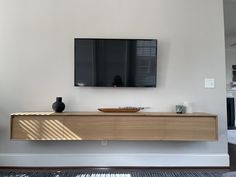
[209,83]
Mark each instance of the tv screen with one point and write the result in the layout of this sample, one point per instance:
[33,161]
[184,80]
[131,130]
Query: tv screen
[115,62]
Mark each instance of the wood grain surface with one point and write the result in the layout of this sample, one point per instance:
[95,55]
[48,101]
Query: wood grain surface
[114,126]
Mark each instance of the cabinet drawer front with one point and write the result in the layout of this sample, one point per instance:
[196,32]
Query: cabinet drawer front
[191,128]
[37,128]
[114,128]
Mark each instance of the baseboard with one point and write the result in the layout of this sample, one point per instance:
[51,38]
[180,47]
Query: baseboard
[116,160]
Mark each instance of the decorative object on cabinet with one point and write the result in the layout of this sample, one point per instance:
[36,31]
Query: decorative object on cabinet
[58,106]
[180,109]
[122,109]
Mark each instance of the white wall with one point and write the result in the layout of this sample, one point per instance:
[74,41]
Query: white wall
[36,65]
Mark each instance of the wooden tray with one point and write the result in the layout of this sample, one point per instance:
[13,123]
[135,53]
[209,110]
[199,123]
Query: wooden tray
[119,109]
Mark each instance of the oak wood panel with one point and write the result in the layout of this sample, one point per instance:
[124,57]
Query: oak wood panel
[189,128]
[37,128]
[114,126]
[25,129]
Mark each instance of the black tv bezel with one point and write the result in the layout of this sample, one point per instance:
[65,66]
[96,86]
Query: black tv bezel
[156,41]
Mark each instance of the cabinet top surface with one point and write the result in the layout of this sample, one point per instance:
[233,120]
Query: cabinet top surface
[97,113]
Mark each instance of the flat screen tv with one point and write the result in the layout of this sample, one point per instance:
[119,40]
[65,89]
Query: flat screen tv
[115,62]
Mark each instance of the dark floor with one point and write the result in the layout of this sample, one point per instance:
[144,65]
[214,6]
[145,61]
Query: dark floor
[112,172]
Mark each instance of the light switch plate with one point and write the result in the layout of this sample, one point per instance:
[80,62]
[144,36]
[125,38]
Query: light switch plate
[209,83]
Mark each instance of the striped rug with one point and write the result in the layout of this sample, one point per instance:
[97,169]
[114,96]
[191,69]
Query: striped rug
[92,174]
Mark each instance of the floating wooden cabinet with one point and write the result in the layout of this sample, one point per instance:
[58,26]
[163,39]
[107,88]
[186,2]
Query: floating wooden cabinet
[114,126]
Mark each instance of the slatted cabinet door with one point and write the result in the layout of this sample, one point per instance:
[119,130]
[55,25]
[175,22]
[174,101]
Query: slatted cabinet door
[113,128]
[26,128]
[37,128]
[52,128]
[189,128]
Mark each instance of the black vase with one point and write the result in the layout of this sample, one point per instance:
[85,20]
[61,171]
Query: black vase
[58,106]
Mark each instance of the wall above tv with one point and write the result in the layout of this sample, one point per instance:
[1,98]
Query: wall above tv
[115,62]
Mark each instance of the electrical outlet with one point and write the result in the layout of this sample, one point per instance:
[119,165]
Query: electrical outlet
[209,83]
[104,142]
